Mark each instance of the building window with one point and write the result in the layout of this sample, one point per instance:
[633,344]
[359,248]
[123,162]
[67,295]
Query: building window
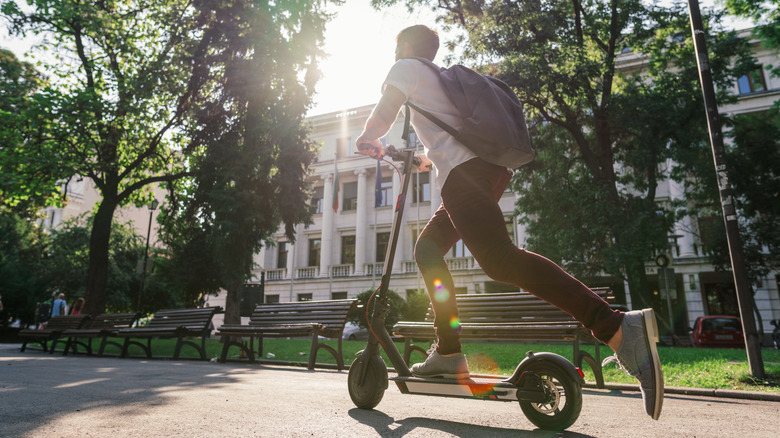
[350,196]
[413,140]
[271,299]
[338,296]
[382,240]
[386,191]
[316,200]
[421,187]
[314,251]
[284,248]
[752,82]
[460,250]
[304,297]
[343,147]
[348,250]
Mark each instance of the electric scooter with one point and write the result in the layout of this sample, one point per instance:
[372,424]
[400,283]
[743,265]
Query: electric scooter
[547,386]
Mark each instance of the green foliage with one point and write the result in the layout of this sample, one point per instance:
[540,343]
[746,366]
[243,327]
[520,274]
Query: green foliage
[766,16]
[251,171]
[416,308]
[397,308]
[24,186]
[754,165]
[23,246]
[120,82]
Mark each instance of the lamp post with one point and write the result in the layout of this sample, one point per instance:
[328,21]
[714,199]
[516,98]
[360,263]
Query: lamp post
[152,208]
[727,196]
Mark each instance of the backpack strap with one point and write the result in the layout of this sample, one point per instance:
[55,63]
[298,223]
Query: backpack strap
[449,129]
[440,123]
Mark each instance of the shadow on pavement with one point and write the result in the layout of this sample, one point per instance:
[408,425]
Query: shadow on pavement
[387,426]
[63,385]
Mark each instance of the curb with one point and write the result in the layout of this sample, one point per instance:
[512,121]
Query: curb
[703,392]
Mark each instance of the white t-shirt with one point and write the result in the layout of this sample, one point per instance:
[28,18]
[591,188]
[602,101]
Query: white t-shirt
[422,87]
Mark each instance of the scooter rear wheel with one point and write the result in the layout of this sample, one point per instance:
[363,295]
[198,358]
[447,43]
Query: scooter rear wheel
[366,390]
[564,398]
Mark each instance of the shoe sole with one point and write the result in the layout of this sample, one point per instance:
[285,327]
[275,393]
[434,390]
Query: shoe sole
[650,325]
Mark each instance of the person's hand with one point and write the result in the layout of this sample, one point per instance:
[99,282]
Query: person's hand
[372,148]
[425,163]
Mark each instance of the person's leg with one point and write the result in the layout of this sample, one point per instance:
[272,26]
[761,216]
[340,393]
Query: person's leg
[433,243]
[470,197]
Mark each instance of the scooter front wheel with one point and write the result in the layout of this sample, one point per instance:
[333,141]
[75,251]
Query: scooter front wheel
[563,401]
[367,381]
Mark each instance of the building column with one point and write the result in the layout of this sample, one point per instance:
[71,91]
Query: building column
[327,226]
[291,260]
[435,195]
[682,227]
[362,224]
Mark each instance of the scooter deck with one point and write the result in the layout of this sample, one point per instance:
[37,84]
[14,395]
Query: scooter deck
[483,388]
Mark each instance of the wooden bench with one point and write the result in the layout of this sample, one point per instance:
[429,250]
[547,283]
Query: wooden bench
[515,316]
[52,330]
[103,326]
[168,324]
[296,319]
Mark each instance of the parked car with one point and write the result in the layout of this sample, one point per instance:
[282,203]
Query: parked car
[717,331]
[353,332]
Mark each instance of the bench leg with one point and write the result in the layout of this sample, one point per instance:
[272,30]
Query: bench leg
[314,348]
[177,350]
[594,364]
[225,348]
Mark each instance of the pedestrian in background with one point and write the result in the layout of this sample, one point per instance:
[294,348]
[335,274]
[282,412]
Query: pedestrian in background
[60,306]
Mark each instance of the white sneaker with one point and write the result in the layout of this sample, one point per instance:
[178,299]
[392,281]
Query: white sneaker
[435,365]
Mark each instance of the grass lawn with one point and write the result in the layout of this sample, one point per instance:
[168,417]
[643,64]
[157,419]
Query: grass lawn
[686,367]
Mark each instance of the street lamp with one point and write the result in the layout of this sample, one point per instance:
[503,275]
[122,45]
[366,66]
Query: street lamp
[152,208]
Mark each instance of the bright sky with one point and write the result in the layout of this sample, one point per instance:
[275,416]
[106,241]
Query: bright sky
[360,43]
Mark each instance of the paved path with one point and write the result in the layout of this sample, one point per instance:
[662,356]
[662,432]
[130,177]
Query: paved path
[56,396]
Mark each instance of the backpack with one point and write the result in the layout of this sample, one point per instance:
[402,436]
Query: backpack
[493,122]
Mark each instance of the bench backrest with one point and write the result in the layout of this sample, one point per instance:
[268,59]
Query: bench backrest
[511,307]
[113,320]
[66,322]
[332,314]
[192,319]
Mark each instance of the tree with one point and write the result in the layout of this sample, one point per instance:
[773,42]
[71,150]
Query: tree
[20,137]
[248,121]
[65,266]
[23,246]
[397,308]
[121,81]
[601,132]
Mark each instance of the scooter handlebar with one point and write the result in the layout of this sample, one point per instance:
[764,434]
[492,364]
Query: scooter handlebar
[391,152]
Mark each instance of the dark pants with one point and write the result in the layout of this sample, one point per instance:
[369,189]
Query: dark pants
[470,211]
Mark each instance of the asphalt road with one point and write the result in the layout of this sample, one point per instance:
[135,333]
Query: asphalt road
[45,395]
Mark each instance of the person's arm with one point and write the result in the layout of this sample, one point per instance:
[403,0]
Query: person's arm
[380,121]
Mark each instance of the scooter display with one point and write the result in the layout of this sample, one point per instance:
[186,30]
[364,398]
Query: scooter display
[547,386]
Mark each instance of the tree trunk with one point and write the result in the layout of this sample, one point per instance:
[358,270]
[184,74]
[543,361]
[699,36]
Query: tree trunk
[97,271]
[233,304]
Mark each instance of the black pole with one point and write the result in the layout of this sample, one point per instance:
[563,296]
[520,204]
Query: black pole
[744,294]
[152,207]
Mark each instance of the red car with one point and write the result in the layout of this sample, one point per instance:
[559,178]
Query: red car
[717,331]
